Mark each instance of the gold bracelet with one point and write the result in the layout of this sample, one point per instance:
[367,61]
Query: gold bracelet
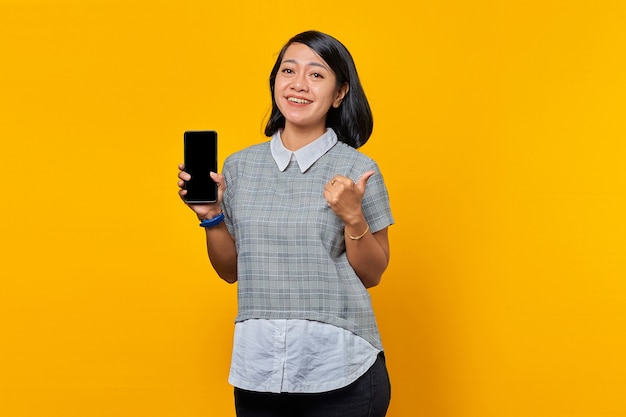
[367,229]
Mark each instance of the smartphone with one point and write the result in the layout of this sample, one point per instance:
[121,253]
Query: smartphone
[200,149]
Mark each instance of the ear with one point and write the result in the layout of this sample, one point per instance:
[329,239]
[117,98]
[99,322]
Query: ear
[341,93]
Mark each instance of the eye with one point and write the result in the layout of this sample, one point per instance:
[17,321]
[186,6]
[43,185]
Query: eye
[317,75]
[287,71]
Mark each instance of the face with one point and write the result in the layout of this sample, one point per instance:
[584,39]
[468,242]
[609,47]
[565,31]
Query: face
[306,88]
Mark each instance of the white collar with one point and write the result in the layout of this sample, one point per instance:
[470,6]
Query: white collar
[305,156]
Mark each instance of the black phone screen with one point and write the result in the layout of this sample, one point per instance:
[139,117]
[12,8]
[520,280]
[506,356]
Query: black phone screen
[200,160]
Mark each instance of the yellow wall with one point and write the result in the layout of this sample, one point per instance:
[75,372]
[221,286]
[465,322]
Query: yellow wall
[500,129]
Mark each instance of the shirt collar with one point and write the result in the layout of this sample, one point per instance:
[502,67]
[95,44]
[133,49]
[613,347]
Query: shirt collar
[305,156]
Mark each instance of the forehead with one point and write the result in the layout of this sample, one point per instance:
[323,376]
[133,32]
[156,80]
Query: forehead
[299,53]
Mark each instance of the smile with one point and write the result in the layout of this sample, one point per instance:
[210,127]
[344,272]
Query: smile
[298,100]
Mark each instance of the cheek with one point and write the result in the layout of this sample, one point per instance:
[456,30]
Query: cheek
[279,103]
[329,94]
[277,96]
[278,86]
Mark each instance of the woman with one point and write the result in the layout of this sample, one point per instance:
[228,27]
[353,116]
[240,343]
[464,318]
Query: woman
[301,223]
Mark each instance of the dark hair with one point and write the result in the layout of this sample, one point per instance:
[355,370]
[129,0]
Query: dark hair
[352,121]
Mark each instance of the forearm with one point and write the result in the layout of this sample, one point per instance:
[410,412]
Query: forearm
[368,255]
[222,252]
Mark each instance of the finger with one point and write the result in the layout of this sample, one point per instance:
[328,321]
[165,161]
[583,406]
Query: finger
[340,180]
[184,176]
[362,181]
[331,189]
[219,180]
[181,167]
[329,197]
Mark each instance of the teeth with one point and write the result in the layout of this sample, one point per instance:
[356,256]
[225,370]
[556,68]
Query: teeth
[298,100]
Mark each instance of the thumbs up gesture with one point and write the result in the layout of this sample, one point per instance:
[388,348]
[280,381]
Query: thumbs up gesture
[344,196]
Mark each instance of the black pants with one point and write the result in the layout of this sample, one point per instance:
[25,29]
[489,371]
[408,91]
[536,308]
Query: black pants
[368,396]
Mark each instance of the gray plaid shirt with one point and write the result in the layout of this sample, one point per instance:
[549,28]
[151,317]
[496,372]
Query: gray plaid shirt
[291,258]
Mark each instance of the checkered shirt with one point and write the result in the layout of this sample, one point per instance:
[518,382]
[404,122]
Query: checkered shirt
[292,261]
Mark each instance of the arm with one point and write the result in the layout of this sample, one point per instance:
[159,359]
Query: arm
[220,244]
[367,252]
[222,252]
[368,256]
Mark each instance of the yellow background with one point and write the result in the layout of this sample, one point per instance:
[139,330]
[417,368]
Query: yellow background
[499,127]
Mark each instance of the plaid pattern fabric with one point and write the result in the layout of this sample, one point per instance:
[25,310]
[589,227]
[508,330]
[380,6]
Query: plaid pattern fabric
[291,252]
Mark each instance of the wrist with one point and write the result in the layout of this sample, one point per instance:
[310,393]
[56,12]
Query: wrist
[213,221]
[356,221]
[209,215]
[359,236]
[357,229]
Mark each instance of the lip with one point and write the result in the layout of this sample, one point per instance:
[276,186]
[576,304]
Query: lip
[300,98]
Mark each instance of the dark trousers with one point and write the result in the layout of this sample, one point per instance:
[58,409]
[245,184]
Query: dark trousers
[368,396]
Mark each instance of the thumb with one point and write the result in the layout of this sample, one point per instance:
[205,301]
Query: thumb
[362,181]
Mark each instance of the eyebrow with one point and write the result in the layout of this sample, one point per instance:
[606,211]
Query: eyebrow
[312,63]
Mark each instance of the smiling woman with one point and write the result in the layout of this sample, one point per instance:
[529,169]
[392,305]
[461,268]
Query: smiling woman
[304,233]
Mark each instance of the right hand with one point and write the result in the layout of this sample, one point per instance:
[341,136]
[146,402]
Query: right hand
[203,211]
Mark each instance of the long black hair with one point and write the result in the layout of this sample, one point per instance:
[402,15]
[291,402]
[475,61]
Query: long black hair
[352,121]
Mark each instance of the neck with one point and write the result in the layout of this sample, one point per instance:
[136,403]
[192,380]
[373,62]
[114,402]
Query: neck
[294,138]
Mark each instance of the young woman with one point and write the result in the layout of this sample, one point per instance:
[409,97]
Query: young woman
[301,223]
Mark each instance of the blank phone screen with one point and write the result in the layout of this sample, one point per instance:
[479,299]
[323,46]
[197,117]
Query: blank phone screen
[200,160]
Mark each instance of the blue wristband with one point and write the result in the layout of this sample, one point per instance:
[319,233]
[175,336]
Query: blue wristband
[214,221]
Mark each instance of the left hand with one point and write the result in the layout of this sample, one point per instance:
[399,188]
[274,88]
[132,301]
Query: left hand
[344,196]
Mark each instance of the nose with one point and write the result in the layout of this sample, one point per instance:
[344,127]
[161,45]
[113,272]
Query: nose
[299,82]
